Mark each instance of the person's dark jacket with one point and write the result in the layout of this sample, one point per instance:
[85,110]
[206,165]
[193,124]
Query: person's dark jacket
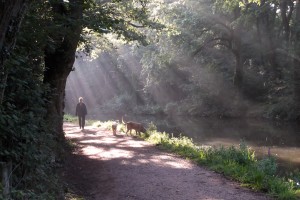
[81,109]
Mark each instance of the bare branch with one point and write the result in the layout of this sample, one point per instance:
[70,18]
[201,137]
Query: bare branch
[221,39]
[135,25]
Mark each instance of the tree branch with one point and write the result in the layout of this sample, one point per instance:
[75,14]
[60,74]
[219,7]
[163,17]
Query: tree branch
[209,42]
[284,52]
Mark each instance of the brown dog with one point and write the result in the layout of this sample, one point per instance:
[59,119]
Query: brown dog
[136,126]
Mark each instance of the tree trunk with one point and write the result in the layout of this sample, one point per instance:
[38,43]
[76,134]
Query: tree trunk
[238,72]
[237,51]
[265,32]
[285,21]
[59,62]
[11,14]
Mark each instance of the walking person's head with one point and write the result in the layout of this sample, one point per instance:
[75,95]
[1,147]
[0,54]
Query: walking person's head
[80,99]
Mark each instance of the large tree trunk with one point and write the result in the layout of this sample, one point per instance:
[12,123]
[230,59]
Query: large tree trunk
[59,62]
[236,46]
[238,74]
[297,61]
[11,14]
[285,17]
[238,71]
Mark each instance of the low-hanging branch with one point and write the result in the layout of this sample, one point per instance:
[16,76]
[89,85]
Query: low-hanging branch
[221,39]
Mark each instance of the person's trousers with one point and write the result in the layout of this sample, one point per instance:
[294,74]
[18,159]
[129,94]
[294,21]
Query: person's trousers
[81,120]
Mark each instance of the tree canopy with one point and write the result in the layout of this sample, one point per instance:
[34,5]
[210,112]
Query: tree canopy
[219,58]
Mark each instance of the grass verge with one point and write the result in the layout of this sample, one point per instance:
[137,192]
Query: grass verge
[74,119]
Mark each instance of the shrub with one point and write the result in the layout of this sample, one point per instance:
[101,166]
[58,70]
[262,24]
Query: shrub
[171,108]
[268,166]
[148,110]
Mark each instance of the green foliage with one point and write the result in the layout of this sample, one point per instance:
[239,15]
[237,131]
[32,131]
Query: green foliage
[148,110]
[70,118]
[159,138]
[151,127]
[119,103]
[107,124]
[171,108]
[26,139]
[128,20]
[213,28]
[283,109]
[189,67]
[267,166]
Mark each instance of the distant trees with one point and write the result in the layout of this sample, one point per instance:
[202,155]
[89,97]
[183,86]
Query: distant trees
[250,45]
[227,31]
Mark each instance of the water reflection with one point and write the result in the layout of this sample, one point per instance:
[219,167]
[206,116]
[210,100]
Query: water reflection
[283,139]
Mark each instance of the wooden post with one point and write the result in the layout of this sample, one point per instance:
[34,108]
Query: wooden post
[5,175]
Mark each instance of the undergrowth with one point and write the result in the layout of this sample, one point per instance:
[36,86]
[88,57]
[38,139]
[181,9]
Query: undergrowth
[74,119]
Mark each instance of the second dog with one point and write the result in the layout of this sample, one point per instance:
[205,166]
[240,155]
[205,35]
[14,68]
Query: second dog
[136,126]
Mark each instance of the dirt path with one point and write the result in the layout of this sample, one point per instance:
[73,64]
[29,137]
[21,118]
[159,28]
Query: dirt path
[108,167]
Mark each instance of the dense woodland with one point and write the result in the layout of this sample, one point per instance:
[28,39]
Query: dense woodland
[212,59]
[229,58]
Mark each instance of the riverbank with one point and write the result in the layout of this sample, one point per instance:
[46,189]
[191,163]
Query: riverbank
[105,166]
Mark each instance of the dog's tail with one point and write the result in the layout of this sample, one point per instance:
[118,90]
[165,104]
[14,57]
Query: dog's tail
[123,122]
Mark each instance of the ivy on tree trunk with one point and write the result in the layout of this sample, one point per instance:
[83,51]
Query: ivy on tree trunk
[59,61]
[11,14]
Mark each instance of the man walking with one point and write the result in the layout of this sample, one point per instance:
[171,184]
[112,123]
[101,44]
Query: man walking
[81,112]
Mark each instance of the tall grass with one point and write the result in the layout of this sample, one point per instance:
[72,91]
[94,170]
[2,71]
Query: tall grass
[70,118]
[74,119]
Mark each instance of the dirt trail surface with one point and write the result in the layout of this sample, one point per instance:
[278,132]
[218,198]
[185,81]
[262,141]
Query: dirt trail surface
[108,167]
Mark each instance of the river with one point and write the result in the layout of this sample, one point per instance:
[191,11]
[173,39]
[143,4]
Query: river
[281,139]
